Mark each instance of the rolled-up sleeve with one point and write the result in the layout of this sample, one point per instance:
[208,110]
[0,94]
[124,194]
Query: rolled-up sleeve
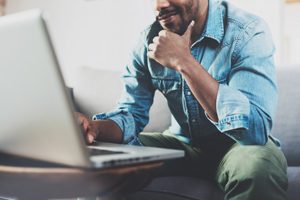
[246,103]
[132,111]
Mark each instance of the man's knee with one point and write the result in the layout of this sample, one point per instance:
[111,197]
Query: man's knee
[256,170]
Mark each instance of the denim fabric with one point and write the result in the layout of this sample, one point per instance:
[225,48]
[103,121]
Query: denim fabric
[236,48]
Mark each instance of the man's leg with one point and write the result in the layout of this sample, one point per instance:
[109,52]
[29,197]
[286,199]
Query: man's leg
[198,161]
[253,173]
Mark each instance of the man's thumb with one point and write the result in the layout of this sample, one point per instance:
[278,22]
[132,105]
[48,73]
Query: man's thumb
[189,31]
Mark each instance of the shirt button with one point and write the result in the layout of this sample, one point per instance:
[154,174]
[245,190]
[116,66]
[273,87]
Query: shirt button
[193,120]
[189,93]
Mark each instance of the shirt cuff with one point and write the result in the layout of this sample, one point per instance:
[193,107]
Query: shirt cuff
[124,120]
[231,122]
[233,109]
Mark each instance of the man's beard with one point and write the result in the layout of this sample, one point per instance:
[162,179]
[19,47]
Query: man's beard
[185,14]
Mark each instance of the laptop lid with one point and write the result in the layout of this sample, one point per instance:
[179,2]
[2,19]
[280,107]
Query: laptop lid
[36,119]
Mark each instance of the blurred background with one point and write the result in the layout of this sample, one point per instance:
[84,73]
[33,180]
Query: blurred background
[100,33]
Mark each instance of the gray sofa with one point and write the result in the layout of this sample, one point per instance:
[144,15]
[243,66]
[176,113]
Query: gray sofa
[99,90]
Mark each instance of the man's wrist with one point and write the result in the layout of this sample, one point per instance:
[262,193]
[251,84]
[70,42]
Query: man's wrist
[108,131]
[186,65]
[97,127]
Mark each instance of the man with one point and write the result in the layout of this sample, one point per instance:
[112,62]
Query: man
[214,64]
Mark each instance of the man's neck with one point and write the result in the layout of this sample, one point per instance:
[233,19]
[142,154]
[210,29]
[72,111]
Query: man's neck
[200,21]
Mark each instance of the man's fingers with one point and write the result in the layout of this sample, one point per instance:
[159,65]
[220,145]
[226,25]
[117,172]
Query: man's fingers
[163,33]
[151,47]
[90,138]
[150,52]
[85,125]
[91,135]
[88,129]
[156,39]
[150,55]
[189,31]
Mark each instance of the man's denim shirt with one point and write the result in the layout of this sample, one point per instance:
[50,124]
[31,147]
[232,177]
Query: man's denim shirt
[237,50]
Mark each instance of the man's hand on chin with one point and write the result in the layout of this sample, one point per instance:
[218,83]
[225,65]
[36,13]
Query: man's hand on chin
[170,49]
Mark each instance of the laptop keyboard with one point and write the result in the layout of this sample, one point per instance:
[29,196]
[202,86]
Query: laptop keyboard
[97,152]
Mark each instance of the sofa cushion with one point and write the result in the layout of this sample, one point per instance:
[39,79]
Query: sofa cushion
[286,127]
[294,183]
[179,188]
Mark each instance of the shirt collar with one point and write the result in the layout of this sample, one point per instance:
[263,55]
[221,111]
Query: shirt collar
[214,26]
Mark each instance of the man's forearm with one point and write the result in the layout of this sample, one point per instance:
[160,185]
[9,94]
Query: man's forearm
[109,131]
[203,86]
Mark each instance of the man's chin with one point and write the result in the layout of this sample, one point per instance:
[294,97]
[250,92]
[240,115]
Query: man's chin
[170,28]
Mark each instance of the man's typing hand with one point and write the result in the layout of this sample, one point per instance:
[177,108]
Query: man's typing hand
[103,130]
[89,127]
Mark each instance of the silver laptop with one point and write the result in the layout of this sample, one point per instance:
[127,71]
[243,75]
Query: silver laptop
[36,115]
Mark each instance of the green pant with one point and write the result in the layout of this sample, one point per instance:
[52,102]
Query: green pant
[242,172]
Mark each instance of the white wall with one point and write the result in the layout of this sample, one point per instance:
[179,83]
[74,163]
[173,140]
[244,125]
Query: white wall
[94,33]
[291,31]
[272,12]
[99,33]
